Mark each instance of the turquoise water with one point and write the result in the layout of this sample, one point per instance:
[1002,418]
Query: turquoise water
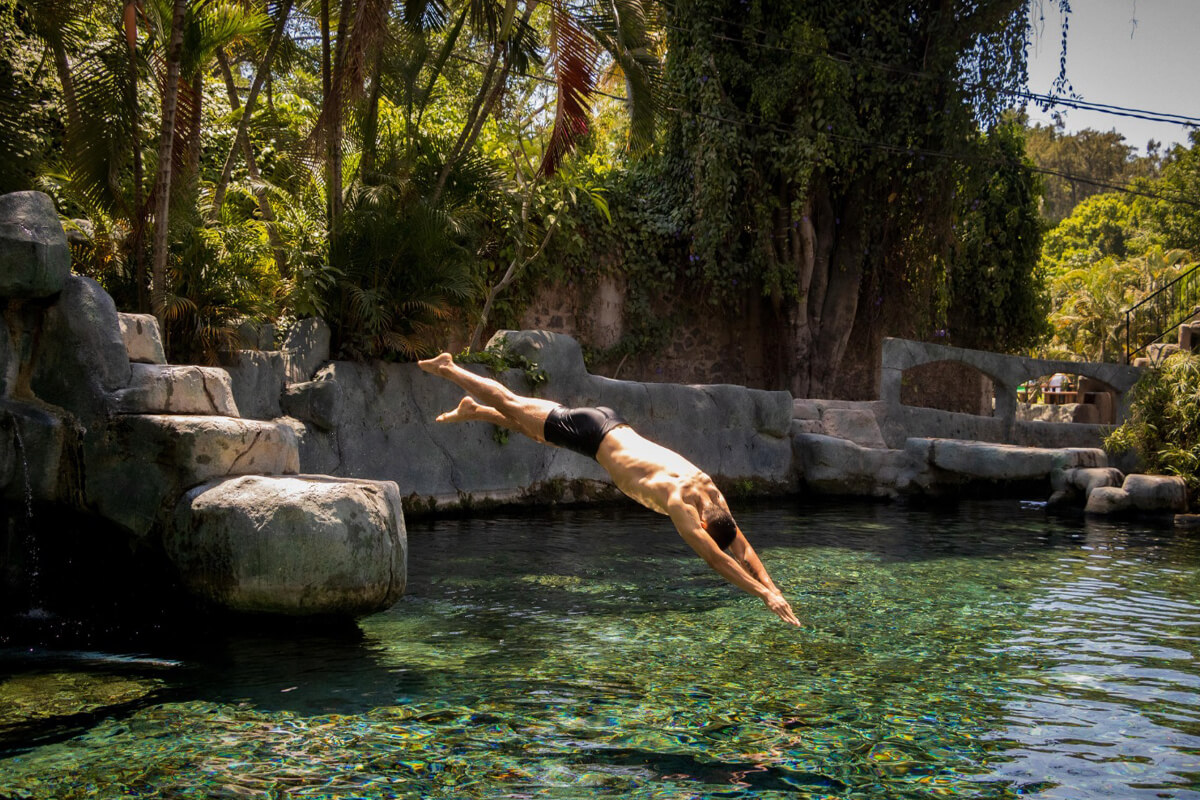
[986,652]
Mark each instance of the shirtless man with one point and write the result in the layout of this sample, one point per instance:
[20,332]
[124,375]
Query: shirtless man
[658,478]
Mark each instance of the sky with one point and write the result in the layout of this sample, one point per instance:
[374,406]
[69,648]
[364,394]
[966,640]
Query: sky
[1141,54]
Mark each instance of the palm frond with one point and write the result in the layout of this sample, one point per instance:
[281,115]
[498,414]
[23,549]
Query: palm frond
[573,56]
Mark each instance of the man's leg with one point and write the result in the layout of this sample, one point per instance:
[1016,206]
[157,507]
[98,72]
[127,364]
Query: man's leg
[525,415]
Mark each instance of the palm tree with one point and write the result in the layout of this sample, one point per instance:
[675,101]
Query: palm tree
[166,142]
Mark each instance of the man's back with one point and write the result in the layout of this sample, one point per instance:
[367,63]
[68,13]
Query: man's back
[650,473]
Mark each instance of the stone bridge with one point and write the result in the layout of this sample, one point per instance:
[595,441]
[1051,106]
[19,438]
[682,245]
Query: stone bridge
[1007,373]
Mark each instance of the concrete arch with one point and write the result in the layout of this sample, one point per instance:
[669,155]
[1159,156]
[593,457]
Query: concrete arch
[1007,372]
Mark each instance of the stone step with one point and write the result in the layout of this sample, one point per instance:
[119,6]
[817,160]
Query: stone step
[142,338]
[137,463]
[176,389]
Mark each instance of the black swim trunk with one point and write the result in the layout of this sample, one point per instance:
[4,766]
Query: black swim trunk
[581,429]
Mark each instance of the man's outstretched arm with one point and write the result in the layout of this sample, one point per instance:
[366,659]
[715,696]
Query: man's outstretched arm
[687,522]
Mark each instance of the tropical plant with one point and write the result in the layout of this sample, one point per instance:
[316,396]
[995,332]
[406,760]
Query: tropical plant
[998,297]
[1163,428]
[1090,301]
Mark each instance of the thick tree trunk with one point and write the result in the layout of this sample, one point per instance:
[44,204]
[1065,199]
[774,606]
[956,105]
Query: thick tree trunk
[839,304]
[158,272]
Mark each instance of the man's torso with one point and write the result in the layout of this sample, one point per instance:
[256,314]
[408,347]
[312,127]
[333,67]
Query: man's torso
[650,473]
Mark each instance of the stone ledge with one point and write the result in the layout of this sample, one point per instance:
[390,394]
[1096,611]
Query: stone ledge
[162,389]
[137,463]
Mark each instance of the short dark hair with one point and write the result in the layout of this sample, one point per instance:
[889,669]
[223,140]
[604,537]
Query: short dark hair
[720,526]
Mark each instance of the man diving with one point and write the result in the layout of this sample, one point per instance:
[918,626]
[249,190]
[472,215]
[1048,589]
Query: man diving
[658,478]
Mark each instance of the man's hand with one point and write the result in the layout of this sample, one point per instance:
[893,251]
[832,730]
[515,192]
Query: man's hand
[780,608]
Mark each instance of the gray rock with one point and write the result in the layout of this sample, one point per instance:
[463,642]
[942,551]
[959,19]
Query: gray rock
[1156,492]
[163,389]
[143,342]
[318,402]
[557,353]
[1000,462]
[836,466]
[1187,521]
[256,335]
[35,258]
[304,545]
[1108,500]
[33,444]
[257,378]
[136,464]
[306,349]
[806,409]
[386,430]
[81,357]
[1077,483]
[856,424]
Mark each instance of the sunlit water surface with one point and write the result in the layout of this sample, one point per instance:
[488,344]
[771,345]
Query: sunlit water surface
[986,652]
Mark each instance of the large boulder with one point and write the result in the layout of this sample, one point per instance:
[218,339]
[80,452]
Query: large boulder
[35,258]
[81,358]
[1003,462]
[138,463]
[303,545]
[1156,493]
[176,389]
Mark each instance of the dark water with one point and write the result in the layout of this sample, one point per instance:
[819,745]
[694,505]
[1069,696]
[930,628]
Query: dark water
[986,652]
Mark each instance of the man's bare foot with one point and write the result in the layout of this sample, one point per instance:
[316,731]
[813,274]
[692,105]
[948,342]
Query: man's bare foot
[465,412]
[437,364]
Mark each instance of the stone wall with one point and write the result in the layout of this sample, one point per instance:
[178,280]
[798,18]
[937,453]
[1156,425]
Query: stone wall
[705,343]
[385,430]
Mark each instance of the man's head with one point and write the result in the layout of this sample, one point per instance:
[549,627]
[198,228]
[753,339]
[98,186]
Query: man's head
[719,524]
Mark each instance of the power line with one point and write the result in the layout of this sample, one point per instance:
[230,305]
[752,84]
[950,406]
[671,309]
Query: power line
[1024,94]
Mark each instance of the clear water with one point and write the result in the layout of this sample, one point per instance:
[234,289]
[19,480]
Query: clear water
[986,652]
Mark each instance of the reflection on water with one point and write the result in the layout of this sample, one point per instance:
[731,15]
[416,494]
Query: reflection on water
[986,652]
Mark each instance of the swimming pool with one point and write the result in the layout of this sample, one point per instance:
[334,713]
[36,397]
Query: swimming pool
[987,651]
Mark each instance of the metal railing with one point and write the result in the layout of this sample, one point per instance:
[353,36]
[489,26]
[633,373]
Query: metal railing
[1147,322]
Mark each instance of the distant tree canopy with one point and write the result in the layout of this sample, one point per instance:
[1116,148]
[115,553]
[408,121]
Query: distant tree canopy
[1115,249]
[1087,163]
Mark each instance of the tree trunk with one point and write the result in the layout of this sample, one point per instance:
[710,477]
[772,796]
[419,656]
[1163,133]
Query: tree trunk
[264,68]
[63,67]
[831,322]
[158,272]
[138,216]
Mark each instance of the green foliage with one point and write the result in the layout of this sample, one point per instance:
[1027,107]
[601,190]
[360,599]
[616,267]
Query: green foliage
[1100,158]
[405,264]
[1090,301]
[29,128]
[498,358]
[1102,226]
[1177,218]
[1164,424]
[998,297]
[220,276]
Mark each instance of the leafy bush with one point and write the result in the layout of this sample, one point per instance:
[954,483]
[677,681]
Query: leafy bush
[1164,424]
